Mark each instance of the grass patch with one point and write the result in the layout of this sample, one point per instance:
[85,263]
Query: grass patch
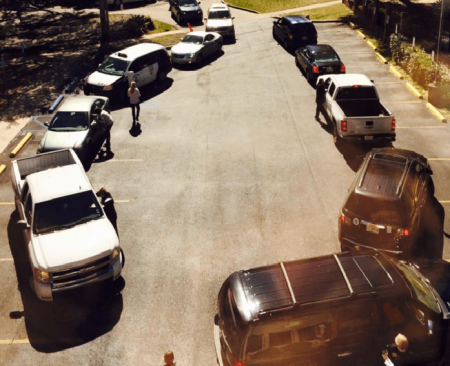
[333,12]
[267,6]
[161,27]
[168,40]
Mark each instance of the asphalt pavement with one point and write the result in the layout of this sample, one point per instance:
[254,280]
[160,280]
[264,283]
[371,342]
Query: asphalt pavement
[228,171]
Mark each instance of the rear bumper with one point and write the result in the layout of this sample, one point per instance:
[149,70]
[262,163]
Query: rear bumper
[355,246]
[369,137]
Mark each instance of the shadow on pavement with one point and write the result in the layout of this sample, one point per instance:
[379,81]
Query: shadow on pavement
[207,61]
[73,318]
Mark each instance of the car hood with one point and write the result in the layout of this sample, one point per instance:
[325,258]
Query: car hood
[189,8]
[69,248]
[100,79]
[182,48]
[219,22]
[438,273]
[54,140]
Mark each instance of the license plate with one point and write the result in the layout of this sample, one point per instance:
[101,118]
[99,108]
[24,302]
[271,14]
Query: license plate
[304,38]
[368,138]
[329,69]
[372,228]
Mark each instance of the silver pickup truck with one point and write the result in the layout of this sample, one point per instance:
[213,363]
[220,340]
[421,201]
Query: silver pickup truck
[69,239]
[355,110]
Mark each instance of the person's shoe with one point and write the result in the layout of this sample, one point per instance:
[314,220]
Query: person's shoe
[137,119]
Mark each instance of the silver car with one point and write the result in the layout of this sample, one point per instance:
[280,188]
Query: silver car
[195,47]
[71,127]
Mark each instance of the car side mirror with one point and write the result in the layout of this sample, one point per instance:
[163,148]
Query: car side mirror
[22,224]
[46,124]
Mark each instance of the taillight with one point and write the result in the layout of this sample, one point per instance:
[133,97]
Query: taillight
[290,37]
[237,363]
[344,126]
[404,232]
[342,219]
[342,68]
[315,69]
[393,125]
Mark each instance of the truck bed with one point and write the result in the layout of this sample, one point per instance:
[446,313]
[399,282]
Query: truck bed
[363,108]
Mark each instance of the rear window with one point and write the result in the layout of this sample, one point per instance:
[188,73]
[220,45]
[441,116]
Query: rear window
[303,28]
[325,56]
[357,92]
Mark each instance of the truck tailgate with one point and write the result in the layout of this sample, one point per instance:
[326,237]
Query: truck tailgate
[369,126]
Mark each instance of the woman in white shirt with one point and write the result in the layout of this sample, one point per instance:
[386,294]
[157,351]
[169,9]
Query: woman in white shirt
[134,95]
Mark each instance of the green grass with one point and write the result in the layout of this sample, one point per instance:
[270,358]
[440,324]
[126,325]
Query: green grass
[161,27]
[168,40]
[333,12]
[267,6]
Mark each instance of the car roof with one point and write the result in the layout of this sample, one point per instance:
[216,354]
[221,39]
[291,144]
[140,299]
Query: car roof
[218,7]
[78,103]
[295,19]
[138,50]
[287,285]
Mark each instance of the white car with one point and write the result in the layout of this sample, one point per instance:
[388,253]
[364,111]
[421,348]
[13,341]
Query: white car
[195,47]
[219,20]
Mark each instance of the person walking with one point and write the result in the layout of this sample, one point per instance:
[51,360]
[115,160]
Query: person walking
[169,358]
[400,358]
[320,97]
[104,123]
[134,95]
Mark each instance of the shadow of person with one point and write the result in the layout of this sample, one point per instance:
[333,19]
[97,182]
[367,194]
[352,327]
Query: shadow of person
[135,130]
[104,155]
[73,317]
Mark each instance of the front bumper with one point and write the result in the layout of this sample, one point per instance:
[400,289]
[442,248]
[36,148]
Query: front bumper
[183,59]
[224,32]
[191,15]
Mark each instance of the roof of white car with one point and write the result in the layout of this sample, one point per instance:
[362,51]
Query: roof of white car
[200,33]
[138,50]
[78,104]
[352,79]
[218,7]
[58,182]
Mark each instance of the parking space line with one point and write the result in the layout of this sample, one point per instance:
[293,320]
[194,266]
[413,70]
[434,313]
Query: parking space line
[419,127]
[444,201]
[123,160]
[403,101]
[6,260]
[6,203]
[438,159]
[121,201]
[15,341]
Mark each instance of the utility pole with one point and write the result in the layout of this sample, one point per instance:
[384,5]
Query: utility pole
[104,21]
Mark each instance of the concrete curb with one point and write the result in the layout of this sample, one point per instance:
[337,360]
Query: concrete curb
[238,7]
[352,25]
[414,91]
[381,58]
[2,168]
[22,143]
[371,45]
[436,113]
[396,73]
[361,34]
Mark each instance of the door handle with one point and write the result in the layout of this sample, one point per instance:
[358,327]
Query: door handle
[345,354]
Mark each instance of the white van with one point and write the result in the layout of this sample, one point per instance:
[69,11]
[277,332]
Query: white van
[143,63]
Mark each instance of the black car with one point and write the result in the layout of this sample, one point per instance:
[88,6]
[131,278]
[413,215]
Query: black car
[294,31]
[186,10]
[340,309]
[316,60]
[385,203]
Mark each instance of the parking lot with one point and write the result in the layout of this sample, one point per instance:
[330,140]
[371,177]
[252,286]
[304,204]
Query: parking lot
[229,171]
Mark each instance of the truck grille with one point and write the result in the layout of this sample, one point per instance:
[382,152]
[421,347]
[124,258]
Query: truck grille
[76,276]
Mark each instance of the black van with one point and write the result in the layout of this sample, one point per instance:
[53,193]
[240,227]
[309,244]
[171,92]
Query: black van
[294,32]
[340,309]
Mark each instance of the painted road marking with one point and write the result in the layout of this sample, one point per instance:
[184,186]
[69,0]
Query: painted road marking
[403,101]
[412,127]
[121,201]
[439,159]
[6,260]
[123,160]
[15,341]
[6,203]
[444,201]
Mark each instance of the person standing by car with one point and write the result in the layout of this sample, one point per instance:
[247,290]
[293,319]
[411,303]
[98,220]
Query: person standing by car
[320,97]
[134,95]
[400,358]
[104,123]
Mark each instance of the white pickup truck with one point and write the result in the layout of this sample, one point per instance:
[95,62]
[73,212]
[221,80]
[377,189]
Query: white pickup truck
[70,241]
[355,110]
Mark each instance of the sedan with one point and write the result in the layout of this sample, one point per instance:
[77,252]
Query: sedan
[71,127]
[195,47]
[318,60]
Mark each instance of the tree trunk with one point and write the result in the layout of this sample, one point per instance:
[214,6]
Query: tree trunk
[104,21]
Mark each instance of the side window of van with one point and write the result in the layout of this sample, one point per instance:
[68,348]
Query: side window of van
[135,66]
[147,60]
[331,89]
[161,56]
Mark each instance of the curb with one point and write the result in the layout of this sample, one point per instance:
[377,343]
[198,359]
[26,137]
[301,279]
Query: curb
[436,113]
[22,143]
[381,58]
[352,25]
[238,7]
[414,91]
[371,45]
[361,34]
[2,168]
[396,73]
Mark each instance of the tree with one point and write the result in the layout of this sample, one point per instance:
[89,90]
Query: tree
[104,21]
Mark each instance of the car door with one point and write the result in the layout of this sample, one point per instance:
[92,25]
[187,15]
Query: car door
[28,217]
[208,45]
[138,75]
[330,88]
[306,58]
[277,27]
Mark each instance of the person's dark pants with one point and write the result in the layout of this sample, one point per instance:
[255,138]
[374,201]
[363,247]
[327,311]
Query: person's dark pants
[319,108]
[108,139]
[135,107]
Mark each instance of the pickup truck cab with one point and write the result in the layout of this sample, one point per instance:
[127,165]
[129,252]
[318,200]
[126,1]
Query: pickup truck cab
[70,241]
[352,104]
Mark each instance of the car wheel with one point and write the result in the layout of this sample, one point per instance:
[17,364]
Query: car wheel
[296,62]
[308,76]
[286,45]
[274,34]
[86,90]
[199,59]
[336,137]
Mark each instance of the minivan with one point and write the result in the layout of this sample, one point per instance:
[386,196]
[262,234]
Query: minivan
[143,63]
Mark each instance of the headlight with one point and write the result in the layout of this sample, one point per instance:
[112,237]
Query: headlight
[41,276]
[108,87]
[116,253]
[191,55]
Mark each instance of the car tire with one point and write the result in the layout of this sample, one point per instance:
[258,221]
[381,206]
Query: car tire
[199,59]
[286,45]
[336,138]
[86,90]
[308,76]
[274,34]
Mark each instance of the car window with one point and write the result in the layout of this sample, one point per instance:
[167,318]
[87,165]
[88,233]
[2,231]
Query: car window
[188,3]
[147,60]
[161,56]
[113,66]
[135,66]
[69,121]
[325,56]
[28,208]
[331,89]
[193,39]
[219,14]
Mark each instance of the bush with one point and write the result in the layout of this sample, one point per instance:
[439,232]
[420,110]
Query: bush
[138,25]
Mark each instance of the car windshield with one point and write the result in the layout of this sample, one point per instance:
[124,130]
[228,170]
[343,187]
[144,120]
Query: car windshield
[220,14]
[69,121]
[325,56]
[65,212]
[193,39]
[188,3]
[420,289]
[113,66]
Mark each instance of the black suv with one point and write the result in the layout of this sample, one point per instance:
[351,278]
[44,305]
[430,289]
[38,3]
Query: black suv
[294,31]
[385,203]
[186,10]
[340,309]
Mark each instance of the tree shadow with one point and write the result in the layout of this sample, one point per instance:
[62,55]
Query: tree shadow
[73,318]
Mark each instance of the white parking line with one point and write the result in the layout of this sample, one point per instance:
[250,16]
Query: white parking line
[123,160]
[121,201]
[402,101]
[6,203]
[438,159]
[444,201]
[419,127]
[15,341]
[6,259]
